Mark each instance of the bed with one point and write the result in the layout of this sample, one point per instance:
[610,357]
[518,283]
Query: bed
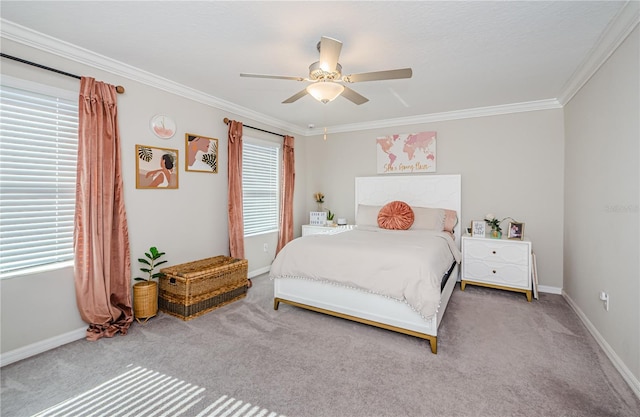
[418,306]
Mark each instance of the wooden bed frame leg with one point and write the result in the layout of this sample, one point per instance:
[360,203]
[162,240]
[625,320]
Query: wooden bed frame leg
[276,303]
[434,345]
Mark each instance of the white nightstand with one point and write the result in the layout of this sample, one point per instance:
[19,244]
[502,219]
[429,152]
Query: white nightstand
[497,263]
[324,230]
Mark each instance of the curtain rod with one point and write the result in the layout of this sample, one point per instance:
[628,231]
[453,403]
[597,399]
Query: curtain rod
[119,89]
[226,122]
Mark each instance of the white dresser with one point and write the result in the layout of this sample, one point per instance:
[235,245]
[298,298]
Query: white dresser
[324,230]
[497,263]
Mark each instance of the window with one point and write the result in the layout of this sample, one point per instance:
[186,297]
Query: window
[38,154]
[260,186]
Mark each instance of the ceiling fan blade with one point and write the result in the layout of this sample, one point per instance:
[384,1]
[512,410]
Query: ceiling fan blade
[277,77]
[296,96]
[351,95]
[378,75]
[329,53]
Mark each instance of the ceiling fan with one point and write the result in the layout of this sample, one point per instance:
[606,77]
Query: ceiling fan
[325,76]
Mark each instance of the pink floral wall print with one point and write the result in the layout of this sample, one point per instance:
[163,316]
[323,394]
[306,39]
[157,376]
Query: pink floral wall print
[406,153]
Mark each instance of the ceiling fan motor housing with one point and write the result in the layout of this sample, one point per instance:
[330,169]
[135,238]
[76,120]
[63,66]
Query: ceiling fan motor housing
[317,73]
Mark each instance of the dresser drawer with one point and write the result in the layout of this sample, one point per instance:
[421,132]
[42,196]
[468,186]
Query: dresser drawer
[497,273]
[496,251]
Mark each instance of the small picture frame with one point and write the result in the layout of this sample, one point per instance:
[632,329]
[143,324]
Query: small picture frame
[516,231]
[201,153]
[156,167]
[478,228]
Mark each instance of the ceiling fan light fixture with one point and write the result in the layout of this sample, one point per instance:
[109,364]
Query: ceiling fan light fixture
[325,91]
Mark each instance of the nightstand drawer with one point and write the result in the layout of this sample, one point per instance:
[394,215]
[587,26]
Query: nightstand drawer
[497,273]
[496,251]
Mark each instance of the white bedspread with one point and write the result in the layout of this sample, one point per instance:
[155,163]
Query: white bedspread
[405,265]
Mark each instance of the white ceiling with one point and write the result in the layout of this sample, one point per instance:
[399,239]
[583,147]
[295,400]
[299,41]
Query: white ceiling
[464,55]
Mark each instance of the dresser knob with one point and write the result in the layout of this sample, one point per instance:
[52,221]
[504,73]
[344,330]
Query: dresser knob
[494,271]
[494,252]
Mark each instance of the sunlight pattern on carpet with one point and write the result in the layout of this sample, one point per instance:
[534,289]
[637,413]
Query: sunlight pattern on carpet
[143,392]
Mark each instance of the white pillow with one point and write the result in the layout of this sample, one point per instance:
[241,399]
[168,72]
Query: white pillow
[427,218]
[367,215]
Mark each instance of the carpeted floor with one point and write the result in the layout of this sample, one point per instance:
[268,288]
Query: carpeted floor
[497,356]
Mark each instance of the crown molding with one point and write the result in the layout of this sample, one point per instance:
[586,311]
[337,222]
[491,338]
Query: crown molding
[616,32]
[621,26]
[452,115]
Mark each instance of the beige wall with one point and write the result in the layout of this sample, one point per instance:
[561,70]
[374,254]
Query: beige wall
[188,223]
[602,182]
[511,165]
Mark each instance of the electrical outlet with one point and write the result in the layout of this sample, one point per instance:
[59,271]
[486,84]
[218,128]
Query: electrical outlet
[265,247]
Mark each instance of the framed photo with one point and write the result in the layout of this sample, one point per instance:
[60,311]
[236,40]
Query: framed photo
[516,230]
[156,167]
[478,228]
[201,153]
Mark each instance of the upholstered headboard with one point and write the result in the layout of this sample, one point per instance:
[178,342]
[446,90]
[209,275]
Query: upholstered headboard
[437,191]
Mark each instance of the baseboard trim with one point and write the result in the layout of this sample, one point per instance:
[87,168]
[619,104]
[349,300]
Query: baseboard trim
[627,375]
[550,290]
[260,271]
[42,346]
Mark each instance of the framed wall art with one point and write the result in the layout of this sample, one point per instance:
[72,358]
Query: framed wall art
[516,230]
[156,167]
[162,126]
[201,153]
[478,228]
[406,153]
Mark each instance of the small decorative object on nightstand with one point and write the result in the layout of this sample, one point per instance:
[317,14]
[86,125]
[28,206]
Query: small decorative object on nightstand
[497,263]
[319,197]
[478,228]
[516,230]
[330,216]
[317,218]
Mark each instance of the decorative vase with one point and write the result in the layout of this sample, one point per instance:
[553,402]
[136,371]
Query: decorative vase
[496,234]
[145,300]
[320,207]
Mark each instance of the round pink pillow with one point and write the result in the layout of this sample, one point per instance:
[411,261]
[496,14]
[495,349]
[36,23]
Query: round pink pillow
[396,215]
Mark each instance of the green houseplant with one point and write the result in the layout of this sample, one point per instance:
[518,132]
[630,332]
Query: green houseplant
[330,217]
[151,263]
[145,293]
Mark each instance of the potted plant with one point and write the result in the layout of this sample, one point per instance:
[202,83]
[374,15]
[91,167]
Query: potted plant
[145,293]
[330,217]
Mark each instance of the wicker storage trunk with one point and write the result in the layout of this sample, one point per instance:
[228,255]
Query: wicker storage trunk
[189,290]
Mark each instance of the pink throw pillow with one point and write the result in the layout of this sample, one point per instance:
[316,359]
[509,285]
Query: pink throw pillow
[396,215]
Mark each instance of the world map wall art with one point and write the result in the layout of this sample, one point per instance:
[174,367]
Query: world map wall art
[406,153]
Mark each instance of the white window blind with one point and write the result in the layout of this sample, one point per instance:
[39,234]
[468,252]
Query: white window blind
[38,154]
[260,186]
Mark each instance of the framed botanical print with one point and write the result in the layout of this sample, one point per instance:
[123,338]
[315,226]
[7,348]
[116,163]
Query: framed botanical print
[156,167]
[201,153]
